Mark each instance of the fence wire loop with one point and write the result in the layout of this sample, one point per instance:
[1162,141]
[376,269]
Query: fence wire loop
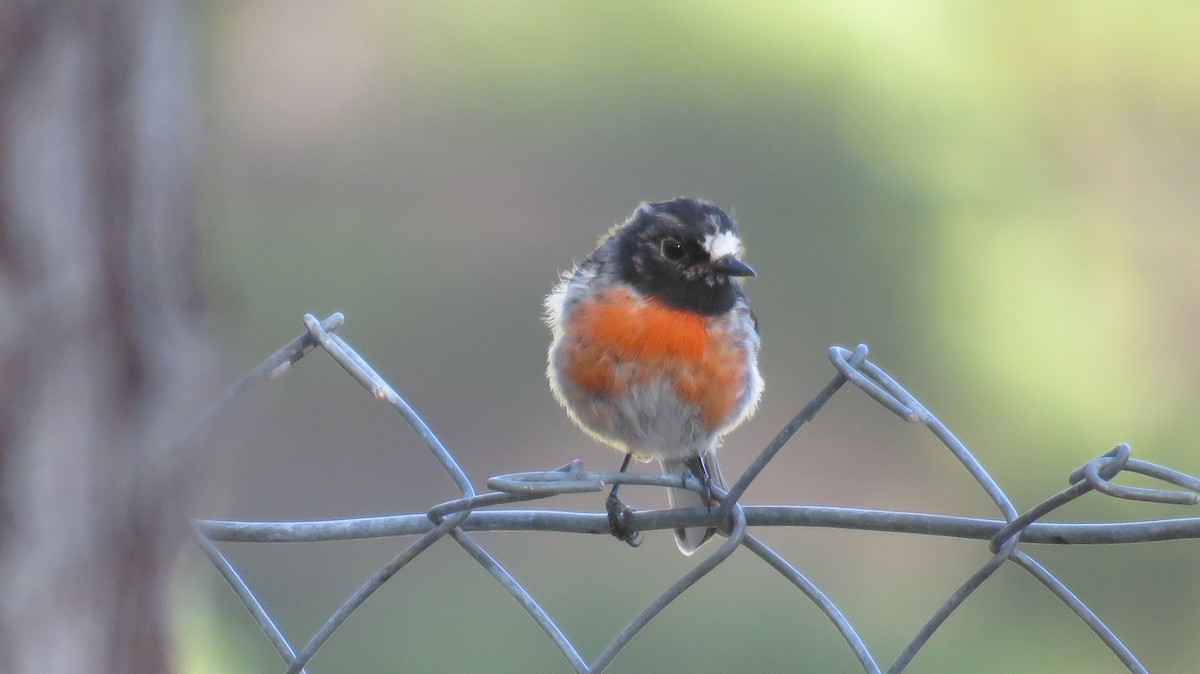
[469,511]
[568,479]
[875,382]
[1100,471]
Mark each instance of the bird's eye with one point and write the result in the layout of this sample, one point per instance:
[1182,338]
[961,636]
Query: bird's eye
[672,249]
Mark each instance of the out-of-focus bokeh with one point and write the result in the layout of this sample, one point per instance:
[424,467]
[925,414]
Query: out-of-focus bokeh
[999,198]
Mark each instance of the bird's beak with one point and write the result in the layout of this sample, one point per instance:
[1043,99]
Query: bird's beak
[731,266]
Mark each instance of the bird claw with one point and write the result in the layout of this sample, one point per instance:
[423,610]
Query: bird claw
[618,521]
[710,497]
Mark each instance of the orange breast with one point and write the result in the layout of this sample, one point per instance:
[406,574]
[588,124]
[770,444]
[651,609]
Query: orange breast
[616,340]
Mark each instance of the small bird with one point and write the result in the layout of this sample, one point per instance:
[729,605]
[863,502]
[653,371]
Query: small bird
[655,347]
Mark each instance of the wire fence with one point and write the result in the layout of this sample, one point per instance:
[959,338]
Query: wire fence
[459,517]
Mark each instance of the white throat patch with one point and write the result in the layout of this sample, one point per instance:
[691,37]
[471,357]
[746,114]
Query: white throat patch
[722,244]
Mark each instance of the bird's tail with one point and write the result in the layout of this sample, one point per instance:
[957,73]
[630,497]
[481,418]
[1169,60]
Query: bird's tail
[704,468]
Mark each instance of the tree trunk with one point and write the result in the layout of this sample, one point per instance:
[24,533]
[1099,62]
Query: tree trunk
[98,347]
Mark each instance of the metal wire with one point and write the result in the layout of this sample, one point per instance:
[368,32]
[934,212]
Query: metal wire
[459,516]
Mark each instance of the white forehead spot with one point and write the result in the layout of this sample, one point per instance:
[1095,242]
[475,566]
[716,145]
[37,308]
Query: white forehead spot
[722,244]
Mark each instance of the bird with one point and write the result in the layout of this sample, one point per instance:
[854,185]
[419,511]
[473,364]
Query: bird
[655,347]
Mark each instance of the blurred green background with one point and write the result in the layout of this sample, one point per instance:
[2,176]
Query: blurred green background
[1000,198]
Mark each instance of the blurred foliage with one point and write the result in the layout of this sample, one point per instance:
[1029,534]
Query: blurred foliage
[1000,198]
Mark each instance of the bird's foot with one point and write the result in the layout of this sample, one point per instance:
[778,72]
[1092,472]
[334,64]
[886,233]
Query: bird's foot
[618,521]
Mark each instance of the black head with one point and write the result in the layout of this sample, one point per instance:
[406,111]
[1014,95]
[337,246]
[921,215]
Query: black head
[683,252]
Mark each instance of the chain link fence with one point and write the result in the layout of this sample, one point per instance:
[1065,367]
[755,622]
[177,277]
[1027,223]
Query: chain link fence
[458,517]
